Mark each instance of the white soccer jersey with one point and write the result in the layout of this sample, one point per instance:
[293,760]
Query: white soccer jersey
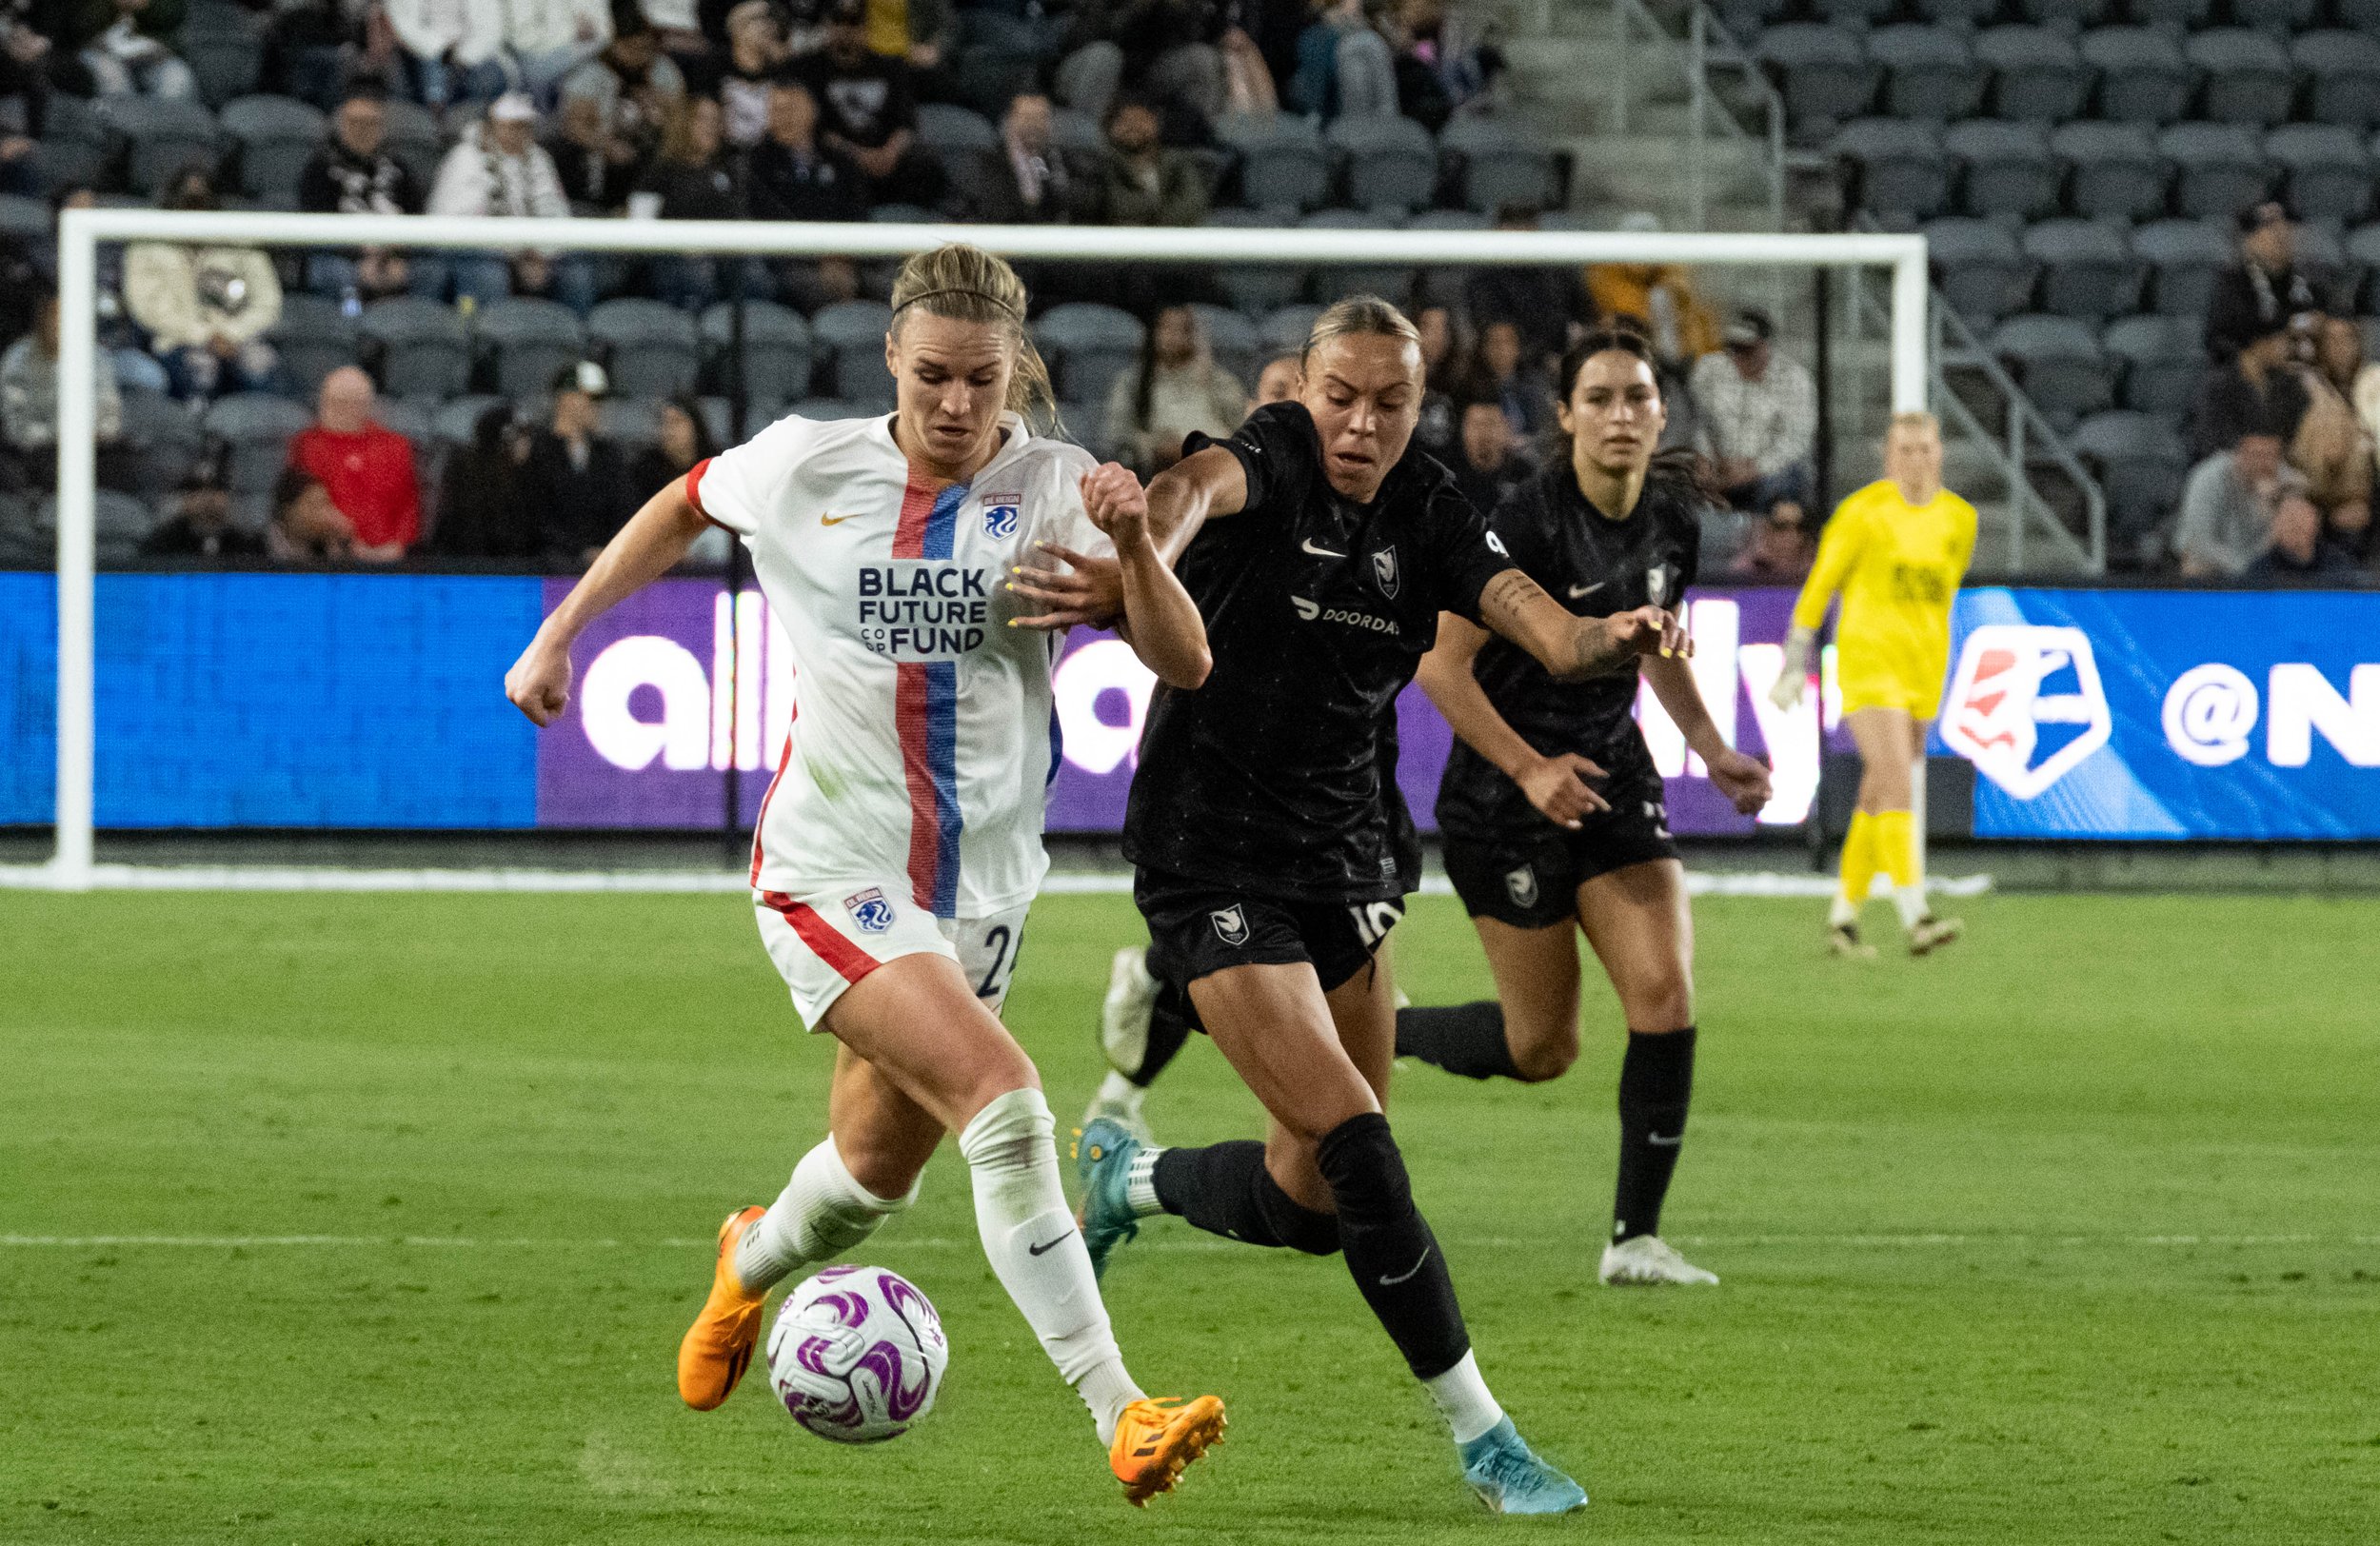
[922,739]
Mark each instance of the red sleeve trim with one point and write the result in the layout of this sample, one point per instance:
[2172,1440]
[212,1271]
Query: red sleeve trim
[694,493]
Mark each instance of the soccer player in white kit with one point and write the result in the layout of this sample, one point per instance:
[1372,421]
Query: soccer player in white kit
[901,842]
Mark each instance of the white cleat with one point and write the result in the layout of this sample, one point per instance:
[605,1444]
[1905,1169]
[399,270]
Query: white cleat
[1929,934]
[1647,1259]
[1119,1100]
[1124,1017]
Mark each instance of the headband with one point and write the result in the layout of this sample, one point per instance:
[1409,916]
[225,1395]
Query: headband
[989,300]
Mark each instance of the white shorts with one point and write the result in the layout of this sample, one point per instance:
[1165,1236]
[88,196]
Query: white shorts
[823,942]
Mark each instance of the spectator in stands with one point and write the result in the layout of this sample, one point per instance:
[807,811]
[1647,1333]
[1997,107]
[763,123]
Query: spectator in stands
[306,528]
[1142,183]
[1488,461]
[1503,373]
[2299,549]
[1661,295]
[483,509]
[499,169]
[756,61]
[2340,367]
[595,166]
[1780,548]
[206,308]
[1540,302]
[2227,506]
[450,49]
[1158,51]
[1032,184]
[635,87]
[314,46]
[1467,68]
[28,399]
[200,525]
[2260,389]
[367,468]
[1758,417]
[128,48]
[794,177]
[2261,295]
[921,33]
[693,179]
[1422,91]
[573,478]
[1249,89]
[1345,67]
[2329,447]
[1442,362]
[352,175]
[679,24]
[868,110]
[31,66]
[1278,381]
[545,40]
[1174,388]
[682,442]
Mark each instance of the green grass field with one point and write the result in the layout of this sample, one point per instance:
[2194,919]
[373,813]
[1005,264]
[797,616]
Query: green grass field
[2073,1235]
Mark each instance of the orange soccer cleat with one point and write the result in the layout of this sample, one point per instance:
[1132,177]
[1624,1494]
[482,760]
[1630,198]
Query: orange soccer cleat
[1155,1440]
[719,1344]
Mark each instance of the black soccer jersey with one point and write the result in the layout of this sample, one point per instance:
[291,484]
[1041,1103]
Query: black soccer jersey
[1280,774]
[1596,567]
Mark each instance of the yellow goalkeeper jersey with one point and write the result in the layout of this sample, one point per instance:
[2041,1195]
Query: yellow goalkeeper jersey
[1898,566]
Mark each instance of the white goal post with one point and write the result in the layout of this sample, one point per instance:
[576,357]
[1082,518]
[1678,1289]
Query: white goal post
[80,233]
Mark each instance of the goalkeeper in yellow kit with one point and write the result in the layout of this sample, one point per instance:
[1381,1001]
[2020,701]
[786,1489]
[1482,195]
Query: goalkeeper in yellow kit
[1896,549]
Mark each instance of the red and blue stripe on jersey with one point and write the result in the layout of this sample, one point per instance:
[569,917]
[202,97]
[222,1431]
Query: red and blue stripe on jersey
[926,715]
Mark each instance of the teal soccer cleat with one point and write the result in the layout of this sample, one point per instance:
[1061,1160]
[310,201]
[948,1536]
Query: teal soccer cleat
[1102,1157]
[1510,1478]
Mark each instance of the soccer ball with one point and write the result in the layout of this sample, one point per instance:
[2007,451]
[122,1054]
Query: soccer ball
[857,1354]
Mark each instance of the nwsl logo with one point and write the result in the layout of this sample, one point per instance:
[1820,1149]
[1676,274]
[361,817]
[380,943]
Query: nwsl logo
[2026,704]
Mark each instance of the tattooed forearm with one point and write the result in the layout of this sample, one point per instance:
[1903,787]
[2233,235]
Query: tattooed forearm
[1503,605]
[1593,651]
[1569,646]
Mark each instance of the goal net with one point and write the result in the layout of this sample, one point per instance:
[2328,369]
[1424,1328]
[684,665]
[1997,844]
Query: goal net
[214,654]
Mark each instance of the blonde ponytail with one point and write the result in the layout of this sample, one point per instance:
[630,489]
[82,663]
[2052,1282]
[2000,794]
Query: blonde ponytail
[961,283]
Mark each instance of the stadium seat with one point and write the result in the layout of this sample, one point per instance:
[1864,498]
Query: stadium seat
[851,335]
[415,418]
[1282,163]
[1930,72]
[2323,258]
[2249,77]
[2059,364]
[121,521]
[2113,170]
[163,439]
[2009,169]
[418,346]
[457,419]
[776,351]
[2071,13]
[25,220]
[255,428]
[413,138]
[2363,259]
[987,76]
[2342,71]
[1088,347]
[1253,287]
[2281,17]
[1855,13]
[2218,169]
[963,140]
[225,51]
[1822,72]
[2036,74]
[2182,257]
[1233,340]
[2363,15]
[161,136]
[1285,331]
[2161,359]
[1077,134]
[1448,278]
[1392,163]
[522,341]
[2173,15]
[1332,281]
[277,136]
[1979,268]
[1495,163]
[630,422]
[2326,170]
[2141,464]
[58,165]
[649,348]
[2143,76]
[2087,271]
[25,541]
[1899,166]
[313,337]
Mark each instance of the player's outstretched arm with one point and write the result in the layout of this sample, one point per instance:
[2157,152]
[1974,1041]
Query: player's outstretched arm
[1839,550]
[1090,592]
[1570,647]
[1743,778]
[1556,785]
[1160,619]
[653,542]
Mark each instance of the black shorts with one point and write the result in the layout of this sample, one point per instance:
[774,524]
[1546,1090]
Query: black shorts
[1530,876]
[1198,928]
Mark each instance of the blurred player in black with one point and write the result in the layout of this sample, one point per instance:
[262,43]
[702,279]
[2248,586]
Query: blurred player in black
[1552,810]
[1274,851]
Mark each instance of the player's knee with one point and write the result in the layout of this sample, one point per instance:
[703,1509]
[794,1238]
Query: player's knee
[887,1173]
[1293,1223]
[1366,1173]
[1545,1050]
[1662,1001]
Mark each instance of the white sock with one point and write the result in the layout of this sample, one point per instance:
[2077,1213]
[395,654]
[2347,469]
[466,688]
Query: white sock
[1841,913]
[1119,1092]
[1911,902]
[1464,1400]
[1038,1253]
[1140,1184]
[822,1213]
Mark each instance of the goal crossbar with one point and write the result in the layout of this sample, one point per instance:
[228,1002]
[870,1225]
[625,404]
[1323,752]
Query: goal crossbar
[80,232]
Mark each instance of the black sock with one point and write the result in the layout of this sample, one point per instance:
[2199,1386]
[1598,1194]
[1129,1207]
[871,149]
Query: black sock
[1225,1189]
[1466,1038]
[1395,1259]
[1656,1083]
[1169,1028]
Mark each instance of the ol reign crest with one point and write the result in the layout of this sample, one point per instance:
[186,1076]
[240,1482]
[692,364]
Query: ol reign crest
[999,515]
[1384,570]
[1231,924]
[1521,885]
[870,911]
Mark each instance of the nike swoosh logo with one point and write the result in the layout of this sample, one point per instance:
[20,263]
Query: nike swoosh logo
[1579,591]
[1051,1245]
[1407,1275]
[836,520]
[1670,1143]
[1318,552]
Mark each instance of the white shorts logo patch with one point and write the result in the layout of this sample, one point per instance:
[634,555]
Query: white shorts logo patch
[870,911]
[1231,924]
[1521,885]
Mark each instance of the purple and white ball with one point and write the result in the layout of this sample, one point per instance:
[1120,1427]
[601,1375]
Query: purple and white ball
[857,1354]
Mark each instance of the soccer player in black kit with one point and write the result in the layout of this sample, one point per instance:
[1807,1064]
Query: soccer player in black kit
[1551,808]
[1274,851]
